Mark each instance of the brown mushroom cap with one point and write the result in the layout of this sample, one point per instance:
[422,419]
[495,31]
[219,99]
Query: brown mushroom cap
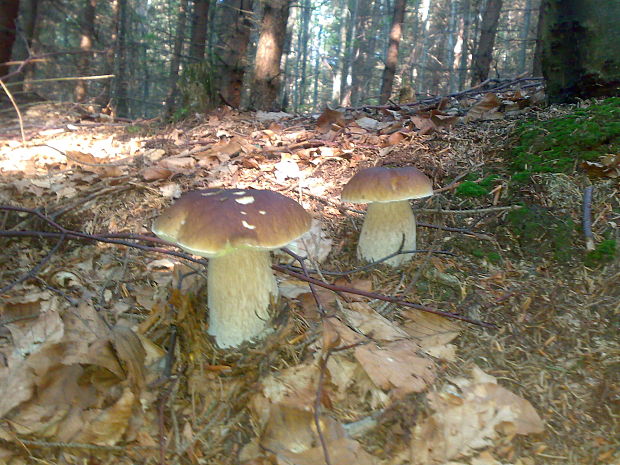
[382,184]
[212,222]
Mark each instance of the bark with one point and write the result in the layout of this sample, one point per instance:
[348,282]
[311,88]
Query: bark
[484,50]
[8,16]
[391,60]
[175,62]
[232,48]
[122,84]
[200,19]
[581,50]
[267,73]
[87,39]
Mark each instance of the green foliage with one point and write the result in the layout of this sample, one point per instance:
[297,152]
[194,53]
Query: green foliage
[605,252]
[198,90]
[476,189]
[540,232]
[489,255]
[558,144]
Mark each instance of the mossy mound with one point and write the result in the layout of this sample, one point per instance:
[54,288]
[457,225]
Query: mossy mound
[559,144]
[605,252]
[541,233]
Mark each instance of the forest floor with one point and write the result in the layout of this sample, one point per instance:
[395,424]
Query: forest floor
[85,338]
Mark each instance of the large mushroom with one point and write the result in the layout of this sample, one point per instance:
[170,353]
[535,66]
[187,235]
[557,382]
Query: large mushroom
[389,222]
[235,229]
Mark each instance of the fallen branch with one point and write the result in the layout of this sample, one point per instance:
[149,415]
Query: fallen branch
[587,217]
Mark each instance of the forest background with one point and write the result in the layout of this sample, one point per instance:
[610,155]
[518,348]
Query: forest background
[139,58]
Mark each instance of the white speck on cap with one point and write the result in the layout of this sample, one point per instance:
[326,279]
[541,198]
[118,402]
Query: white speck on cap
[245,200]
[247,225]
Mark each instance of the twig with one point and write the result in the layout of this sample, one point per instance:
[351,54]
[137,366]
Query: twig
[587,217]
[468,212]
[369,265]
[78,445]
[372,295]
[19,113]
[62,152]
[35,269]
[301,260]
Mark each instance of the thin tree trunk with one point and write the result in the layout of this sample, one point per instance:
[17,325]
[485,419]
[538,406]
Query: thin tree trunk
[484,50]
[317,68]
[303,46]
[463,65]
[537,61]
[361,53]
[121,91]
[175,62]
[24,49]
[267,73]
[232,48]
[87,39]
[340,53]
[452,77]
[525,34]
[8,16]
[391,60]
[200,18]
[347,61]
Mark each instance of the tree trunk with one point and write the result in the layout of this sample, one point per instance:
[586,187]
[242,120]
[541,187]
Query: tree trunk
[466,12]
[305,34]
[87,38]
[339,55]
[232,48]
[25,49]
[361,51]
[8,15]
[317,68]
[267,74]
[175,62]
[121,91]
[200,19]
[347,59]
[581,49]
[537,62]
[391,60]
[484,50]
[525,34]
[450,45]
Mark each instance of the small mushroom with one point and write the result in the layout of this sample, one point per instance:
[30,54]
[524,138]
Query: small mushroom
[235,229]
[389,222]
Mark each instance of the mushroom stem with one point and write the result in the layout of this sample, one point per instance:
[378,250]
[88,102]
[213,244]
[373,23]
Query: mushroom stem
[385,225]
[240,286]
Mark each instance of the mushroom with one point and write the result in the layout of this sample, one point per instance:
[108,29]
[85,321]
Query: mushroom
[389,222]
[235,229]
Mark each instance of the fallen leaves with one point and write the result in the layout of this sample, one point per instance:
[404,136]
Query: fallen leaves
[469,415]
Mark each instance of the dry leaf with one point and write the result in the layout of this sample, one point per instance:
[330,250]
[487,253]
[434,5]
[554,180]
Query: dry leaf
[106,427]
[470,420]
[396,367]
[153,173]
[330,118]
[487,108]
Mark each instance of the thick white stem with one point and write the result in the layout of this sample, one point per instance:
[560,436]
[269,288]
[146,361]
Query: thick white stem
[385,226]
[240,286]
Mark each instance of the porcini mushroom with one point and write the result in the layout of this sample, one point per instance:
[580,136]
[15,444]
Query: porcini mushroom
[389,222]
[235,229]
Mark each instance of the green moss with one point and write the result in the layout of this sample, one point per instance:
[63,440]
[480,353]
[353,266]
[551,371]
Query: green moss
[541,233]
[559,144]
[476,189]
[605,252]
